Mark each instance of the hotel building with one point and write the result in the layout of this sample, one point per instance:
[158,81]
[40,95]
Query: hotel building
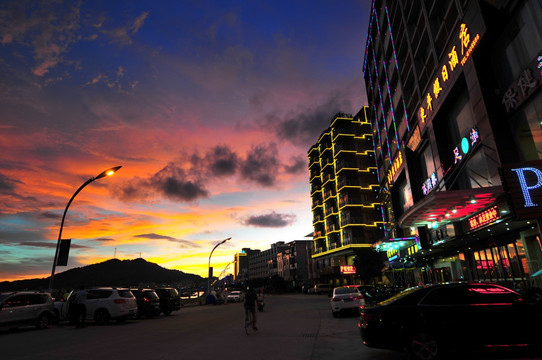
[346,214]
[456,112]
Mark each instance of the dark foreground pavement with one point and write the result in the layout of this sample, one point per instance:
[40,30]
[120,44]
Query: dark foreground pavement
[291,327]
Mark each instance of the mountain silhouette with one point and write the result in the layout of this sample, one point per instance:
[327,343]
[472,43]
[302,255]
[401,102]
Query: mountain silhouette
[114,272]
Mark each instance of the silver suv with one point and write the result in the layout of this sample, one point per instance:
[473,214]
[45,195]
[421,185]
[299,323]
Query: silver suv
[26,308]
[103,304]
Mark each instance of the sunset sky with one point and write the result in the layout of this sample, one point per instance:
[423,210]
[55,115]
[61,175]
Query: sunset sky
[209,106]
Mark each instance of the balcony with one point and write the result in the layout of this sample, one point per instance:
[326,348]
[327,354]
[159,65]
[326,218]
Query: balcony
[349,201]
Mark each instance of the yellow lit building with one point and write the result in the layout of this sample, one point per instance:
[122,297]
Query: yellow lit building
[344,187]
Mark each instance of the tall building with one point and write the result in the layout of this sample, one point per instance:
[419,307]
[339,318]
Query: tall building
[456,112]
[346,214]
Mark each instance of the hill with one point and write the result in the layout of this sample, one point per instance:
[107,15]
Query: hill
[112,272]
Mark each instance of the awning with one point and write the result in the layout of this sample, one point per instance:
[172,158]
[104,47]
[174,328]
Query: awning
[451,205]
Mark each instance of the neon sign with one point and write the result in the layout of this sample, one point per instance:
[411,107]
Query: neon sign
[484,218]
[430,184]
[395,166]
[348,269]
[467,143]
[466,41]
[526,188]
[523,183]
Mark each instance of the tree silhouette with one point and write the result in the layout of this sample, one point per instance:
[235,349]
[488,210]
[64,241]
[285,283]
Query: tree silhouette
[369,264]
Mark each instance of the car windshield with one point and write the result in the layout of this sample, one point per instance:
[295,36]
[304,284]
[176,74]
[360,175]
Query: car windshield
[342,291]
[403,295]
[234,293]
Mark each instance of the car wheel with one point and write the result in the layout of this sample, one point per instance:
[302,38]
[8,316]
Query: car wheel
[101,316]
[424,346]
[43,321]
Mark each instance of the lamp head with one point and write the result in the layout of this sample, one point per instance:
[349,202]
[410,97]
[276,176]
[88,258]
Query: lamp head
[108,172]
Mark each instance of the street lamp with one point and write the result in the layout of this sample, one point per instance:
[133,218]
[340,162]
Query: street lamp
[104,173]
[209,266]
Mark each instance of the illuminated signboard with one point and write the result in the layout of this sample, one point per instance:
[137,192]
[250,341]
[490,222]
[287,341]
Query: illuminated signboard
[529,80]
[467,143]
[430,184]
[484,218]
[348,269]
[523,183]
[465,40]
[415,139]
[395,167]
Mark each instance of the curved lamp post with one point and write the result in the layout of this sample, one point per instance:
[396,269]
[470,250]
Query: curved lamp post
[104,173]
[209,266]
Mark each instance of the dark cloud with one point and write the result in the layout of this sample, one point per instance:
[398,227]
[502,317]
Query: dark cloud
[261,165]
[272,219]
[50,244]
[153,236]
[304,126]
[171,181]
[49,215]
[7,185]
[298,165]
[218,161]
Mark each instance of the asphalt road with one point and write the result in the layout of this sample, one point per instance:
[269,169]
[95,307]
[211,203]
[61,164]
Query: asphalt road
[291,327]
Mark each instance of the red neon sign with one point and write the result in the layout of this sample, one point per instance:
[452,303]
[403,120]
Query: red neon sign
[348,269]
[486,217]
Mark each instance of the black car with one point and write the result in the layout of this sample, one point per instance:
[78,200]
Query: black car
[429,321]
[170,300]
[148,303]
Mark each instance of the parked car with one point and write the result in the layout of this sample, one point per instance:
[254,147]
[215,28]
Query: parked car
[346,298]
[170,300]
[26,308]
[429,321]
[148,302]
[235,296]
[102,304]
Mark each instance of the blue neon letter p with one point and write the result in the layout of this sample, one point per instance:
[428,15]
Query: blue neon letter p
[523,183]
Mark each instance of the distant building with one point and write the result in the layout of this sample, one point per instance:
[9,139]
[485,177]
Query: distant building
[344,188]
[263,264]
[295,264]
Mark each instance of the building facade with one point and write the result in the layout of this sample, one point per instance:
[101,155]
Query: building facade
[263,264]
[456,112]
[295,264]
[346,213]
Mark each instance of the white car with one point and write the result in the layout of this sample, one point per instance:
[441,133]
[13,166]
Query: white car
[26,308]
[103,304]
[235,296]
[346,298]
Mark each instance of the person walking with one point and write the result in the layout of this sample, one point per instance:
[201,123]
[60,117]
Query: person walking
[81,308]
[251,300]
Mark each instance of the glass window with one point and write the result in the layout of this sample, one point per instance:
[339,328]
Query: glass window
[443,296]
[522,257]
[427,163]
[520,42]
[514,261]
[17,300]
[526,127]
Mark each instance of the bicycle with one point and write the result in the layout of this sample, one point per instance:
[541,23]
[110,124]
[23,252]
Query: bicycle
[249,321]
